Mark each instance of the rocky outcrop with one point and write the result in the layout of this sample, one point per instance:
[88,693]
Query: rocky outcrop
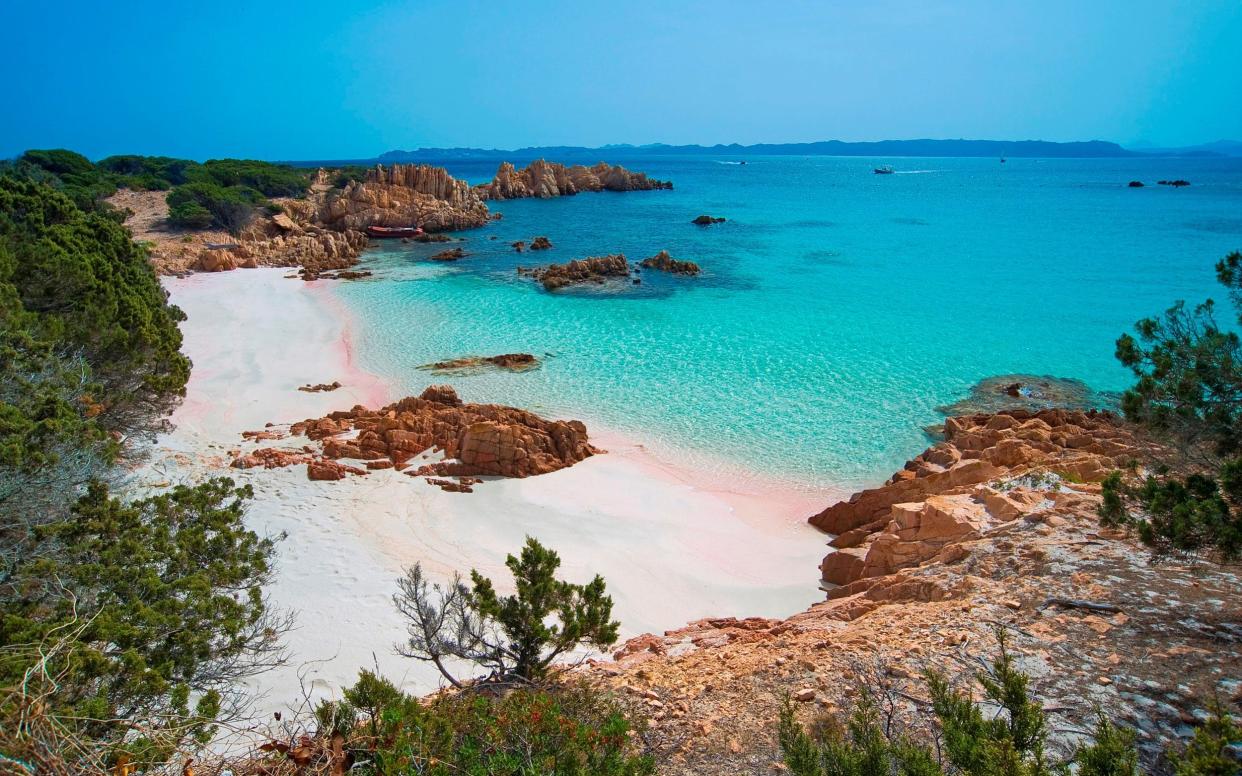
[475,439]
[1089,617]
[405,195]
[550,179]
[707,220]
[967,483]
[540,244]
[1029,392]
[666,263]
[320,387]
[593,269]
[512,362]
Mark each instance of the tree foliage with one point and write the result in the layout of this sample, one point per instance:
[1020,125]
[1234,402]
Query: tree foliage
[571,730]
[514,637]
[129,624]
[1189,371]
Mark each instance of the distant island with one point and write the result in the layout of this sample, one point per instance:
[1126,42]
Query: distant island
[977,148]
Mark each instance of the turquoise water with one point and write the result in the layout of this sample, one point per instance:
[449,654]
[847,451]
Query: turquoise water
[837,308]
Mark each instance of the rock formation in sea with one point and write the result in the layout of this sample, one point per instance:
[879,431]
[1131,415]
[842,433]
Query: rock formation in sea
[593,269]
[707,220]
[666,263]
[550,179]
[999,530]
[1030,392]
[476,439]
[512,362]
[452,254]
[540,244]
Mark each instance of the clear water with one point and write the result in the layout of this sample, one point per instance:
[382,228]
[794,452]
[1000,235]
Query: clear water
[837,308]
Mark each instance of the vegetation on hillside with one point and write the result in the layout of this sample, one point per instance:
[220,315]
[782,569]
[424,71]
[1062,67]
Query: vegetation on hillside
[1189,390]
[224,193]
[962,738]
[124,624]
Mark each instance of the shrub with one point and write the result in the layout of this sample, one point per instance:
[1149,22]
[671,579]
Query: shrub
[571,730]
[271,180]
[1208,752]
[514,637]
[1009,743]
[128,625]
[78,284]
[230,207]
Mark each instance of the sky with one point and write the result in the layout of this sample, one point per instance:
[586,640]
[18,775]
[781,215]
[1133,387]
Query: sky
[350,79]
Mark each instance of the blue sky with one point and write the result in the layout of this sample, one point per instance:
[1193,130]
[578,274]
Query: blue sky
[316,79]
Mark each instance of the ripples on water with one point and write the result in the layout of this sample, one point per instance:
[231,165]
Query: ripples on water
[837,308]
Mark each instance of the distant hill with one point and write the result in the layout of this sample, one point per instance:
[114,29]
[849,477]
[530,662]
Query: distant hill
[894,148]
[1216,148]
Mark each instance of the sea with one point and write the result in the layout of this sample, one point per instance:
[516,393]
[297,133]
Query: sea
[836,311]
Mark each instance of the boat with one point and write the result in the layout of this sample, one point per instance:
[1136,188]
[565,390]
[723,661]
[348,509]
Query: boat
[885,170]
[382,232]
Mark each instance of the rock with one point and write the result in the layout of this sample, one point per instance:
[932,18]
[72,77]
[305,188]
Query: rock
[804,695]
[1031,392]
[215,260]
[432,237]
[665,263]
[593,269]
[330,470]
[319,387]
[540,244]
[452,254]
[1136,184]
[707,220]
[514,362]
[519,246]
[1174,183]
[548,179]
[477,439]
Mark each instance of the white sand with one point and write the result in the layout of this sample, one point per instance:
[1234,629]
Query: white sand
[671,547]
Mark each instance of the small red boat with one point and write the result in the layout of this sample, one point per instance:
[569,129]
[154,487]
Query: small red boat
[394,231]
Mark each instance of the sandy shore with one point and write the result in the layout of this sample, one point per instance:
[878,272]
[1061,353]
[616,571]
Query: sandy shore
[672,546]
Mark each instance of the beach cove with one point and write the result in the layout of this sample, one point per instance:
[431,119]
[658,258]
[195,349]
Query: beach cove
[673,544]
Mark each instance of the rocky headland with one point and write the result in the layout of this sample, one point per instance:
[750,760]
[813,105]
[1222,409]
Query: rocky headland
[593,269]
[996,526]
[320,232]
[545,179]
[475,439]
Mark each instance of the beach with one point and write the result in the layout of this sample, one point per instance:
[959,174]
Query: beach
[673,544]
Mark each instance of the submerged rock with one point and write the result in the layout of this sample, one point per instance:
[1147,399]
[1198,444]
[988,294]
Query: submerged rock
[514,362]
[452,254]
[1136,184]
[1030,392]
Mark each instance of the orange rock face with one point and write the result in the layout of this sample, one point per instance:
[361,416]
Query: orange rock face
[666,263]
[475,438]
[966,484]
[549,179]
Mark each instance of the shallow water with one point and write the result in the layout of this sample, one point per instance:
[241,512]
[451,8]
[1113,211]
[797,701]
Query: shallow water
[837,308]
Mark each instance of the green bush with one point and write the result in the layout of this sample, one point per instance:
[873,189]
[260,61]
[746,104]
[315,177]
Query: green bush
[270,180]
[570,730]
[77,282]
[1189,389]
[515,637]
[1208,752]
[151,173]
[229,207]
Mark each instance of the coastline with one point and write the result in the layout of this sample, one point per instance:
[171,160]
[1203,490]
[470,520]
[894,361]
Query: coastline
[674,544]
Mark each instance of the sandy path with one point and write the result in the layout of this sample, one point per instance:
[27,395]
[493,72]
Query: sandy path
[672,547]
